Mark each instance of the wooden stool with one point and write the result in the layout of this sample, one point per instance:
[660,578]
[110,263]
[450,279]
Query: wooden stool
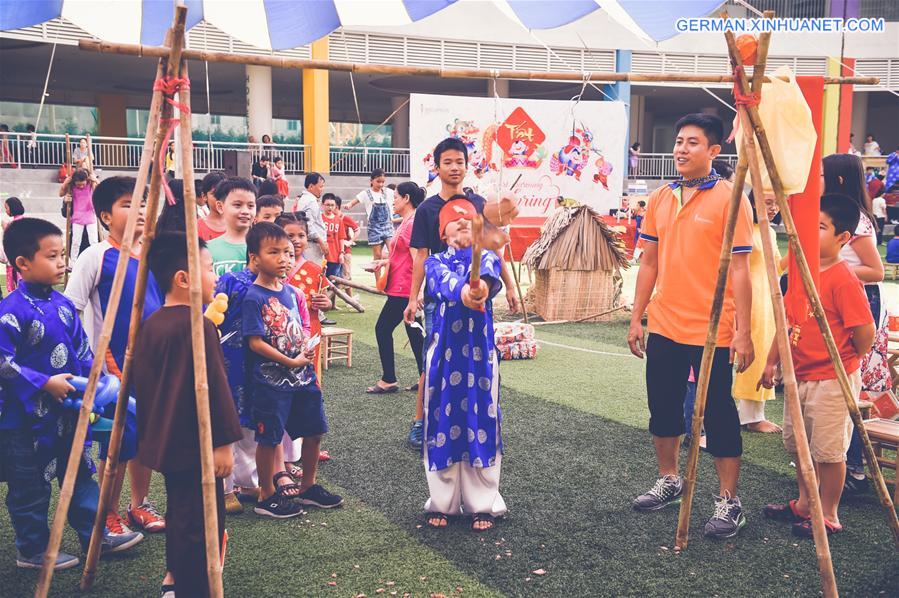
[890,271]
[337,345]
[884,435]
[865,408]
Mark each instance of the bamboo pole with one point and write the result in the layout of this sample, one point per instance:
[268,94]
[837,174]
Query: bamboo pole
[68,200]
[158,126]
[356,285]
[385,69]
[708,353]
[65,494]
[208,482]
[345,297]
[817,308]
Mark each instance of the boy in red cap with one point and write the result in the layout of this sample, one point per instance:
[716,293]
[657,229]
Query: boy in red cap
[462,441]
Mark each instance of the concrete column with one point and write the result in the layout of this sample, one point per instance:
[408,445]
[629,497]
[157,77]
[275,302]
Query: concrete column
[502,88]
[259,100]
[622,91]
[112,115]
[316,111]
[400,122]
[637,120]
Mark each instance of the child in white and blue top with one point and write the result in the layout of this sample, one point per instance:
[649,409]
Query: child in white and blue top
[462,439]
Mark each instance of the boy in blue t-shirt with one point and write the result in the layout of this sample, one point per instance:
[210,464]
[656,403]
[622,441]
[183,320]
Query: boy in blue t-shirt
[89,288]
[281,381]
[42,345]
[893,250]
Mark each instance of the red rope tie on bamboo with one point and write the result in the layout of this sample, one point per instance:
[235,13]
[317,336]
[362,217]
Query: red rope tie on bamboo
[169,86]
[741,99]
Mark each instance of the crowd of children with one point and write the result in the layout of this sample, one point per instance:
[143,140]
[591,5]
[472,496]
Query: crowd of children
[267,409]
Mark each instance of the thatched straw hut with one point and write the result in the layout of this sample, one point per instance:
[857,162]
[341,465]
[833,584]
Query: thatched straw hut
[577,263]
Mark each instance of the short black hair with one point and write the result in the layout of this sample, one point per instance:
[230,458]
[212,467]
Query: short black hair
[262,231]
[287,219]
[268,187]
[79,175]
[168,255]
[110,191]
[843,212]
[450,143]
[377,173]
[269,201]
[710,124]
[23,238]
[211,180]
[312,179]
[233,183]
[263,158]
[723,168]
[416,194]
[338,200]
[326,196]
[331,197]
[15,206]
[277,159]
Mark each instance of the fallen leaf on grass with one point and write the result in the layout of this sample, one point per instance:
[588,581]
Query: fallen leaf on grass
[333,575]
[390,583]
[423,578]
[527,579]
[333,584]
[539,572]
[435,595]
[380,591]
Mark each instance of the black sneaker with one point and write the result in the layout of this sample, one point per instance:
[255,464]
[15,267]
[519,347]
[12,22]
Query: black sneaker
[666,491]
[328,322]
[728,519]
[279,507]
[316,496]
[854,485]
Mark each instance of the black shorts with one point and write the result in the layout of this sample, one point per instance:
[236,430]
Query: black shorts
[300,413]
[667,370]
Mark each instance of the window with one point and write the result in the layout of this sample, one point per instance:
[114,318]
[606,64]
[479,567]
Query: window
[55,118]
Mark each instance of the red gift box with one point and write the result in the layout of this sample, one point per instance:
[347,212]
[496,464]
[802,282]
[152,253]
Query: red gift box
[885,404]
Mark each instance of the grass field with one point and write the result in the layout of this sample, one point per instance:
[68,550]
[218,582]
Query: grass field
[577,451]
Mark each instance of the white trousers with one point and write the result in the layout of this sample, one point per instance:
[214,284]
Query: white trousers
[750,411]
[78,232]
[462,487]
[244,473]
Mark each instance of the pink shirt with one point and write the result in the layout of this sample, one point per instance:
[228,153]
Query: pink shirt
[82,205]
[399,277]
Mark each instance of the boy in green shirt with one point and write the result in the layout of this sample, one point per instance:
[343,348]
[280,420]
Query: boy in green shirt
[235,199]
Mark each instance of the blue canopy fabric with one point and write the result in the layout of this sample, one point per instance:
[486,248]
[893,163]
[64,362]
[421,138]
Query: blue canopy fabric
[283,24]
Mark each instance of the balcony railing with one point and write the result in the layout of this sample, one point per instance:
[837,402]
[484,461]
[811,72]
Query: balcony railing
[661,166]
[123,153]
[362,160]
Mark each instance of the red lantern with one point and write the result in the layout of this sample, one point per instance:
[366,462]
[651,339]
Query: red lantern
[748,46]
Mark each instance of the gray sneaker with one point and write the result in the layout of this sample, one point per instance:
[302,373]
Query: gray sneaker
[728,519]
[63,561]
[118,542]
[666,491]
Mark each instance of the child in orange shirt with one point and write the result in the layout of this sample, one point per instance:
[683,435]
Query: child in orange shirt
[336,236]
[824,411]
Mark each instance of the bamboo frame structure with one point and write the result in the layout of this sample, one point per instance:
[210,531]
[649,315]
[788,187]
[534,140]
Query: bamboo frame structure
[160,111]
[758,130]
[69,207]
[386,69]
[198,343]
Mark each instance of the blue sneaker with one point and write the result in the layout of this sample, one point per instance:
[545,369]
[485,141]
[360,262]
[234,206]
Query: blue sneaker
[118,542]
[416,434]
[63,561]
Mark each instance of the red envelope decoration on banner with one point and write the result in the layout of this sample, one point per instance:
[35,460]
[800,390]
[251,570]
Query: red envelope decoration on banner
[519,128]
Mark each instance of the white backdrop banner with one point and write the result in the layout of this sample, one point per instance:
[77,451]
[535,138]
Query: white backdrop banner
[546,148]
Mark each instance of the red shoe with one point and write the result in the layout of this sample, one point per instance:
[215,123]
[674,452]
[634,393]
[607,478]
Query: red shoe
[324,456]
[116,525]
[146,517]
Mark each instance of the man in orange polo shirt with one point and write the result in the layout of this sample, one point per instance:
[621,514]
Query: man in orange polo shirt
[683,231]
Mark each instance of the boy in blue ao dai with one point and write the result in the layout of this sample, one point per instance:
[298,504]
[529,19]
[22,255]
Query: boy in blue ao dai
[42,345]
[463,443]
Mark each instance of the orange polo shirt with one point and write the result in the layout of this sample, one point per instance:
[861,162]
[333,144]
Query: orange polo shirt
[689,238]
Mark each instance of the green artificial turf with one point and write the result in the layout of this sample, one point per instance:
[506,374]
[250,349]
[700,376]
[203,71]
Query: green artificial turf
[577,452]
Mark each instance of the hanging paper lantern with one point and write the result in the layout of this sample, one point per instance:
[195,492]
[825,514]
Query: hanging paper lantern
[748,46]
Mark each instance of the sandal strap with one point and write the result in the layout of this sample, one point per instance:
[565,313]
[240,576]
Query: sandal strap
[280,475]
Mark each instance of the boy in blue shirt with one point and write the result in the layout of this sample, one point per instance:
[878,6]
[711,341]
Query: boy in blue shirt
[284,391]
[42,345]
[893,250]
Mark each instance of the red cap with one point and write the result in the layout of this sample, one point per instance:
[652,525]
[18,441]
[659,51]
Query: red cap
[456,209]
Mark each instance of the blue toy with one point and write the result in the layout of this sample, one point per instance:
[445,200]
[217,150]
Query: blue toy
[107,392]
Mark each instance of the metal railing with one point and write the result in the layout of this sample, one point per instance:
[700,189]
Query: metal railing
[123,153]
[362,160]
[661,166]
